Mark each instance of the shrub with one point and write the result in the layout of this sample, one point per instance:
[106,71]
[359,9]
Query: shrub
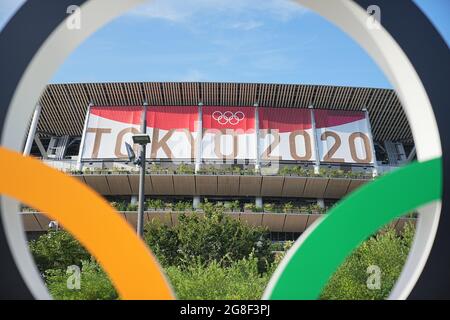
[288,207]
[132,207]
[183,206]
[249,206]
[269,207]
[94,284]
[386,250]
[119,206]
[208,237]
[240,280]
[57,250]
[163,241]
[154,204]
[185,169]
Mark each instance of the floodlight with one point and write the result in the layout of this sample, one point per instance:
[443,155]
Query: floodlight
[141,139]
[53,225]
[130,151]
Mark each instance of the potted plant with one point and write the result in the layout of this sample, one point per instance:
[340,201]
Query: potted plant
[258,209]
[288,207]
[303,172]
[132,207]
[248,172]
[119,206]
[179,206]
[235,206]
[249,207]
[227,206]
[184,169]
[154,204]
[304,210]
[285,171]
[269,207]
[236,170]
[169,206]
[188,206]
[315,209]
[150,205]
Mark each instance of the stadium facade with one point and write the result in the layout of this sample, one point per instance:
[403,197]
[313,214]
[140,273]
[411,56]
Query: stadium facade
[275,155]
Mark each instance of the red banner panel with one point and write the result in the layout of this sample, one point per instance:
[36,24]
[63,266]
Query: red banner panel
[343,136]
[229,133]
[172,130]
[242,118]
[286,134]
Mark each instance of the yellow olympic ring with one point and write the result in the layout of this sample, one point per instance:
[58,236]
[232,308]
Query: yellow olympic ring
[124,257]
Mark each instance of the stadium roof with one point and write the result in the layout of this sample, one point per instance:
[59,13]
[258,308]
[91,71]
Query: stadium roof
[64,105]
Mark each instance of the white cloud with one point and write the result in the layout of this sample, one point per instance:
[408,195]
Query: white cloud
[247,25]
[193,75]
[157,9]
[183,10]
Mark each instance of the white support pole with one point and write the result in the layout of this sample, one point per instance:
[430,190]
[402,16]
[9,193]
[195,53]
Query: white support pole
[257,156]
[32,131]
[198,156]
[321,203]
[259,202]
[315,142]
[372,145]
[83,137]
[196,202]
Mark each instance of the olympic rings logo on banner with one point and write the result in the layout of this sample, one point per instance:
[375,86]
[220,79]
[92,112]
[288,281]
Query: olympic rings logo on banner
[228,117]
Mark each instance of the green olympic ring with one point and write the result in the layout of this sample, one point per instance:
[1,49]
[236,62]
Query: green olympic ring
[325,248]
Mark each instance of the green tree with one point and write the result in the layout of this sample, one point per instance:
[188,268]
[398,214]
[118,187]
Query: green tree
[57,250]
[208,237]
[163,241]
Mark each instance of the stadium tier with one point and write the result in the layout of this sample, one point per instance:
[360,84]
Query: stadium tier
[275,155]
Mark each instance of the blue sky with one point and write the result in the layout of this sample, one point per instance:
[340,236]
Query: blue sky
[223,40]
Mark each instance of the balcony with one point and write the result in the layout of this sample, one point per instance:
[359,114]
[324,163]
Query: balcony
[275,222]
[121,179]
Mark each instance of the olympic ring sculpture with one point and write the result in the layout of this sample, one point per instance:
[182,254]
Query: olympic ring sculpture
[228,117]
[419,76]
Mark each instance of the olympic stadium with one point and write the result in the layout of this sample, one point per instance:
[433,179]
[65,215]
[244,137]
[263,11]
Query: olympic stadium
[273,155]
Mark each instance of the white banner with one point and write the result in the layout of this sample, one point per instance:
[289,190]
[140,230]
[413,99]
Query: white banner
[343,136]
[286,134]
[229,134]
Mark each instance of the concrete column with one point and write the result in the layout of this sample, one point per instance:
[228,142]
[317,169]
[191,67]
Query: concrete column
[198,156]
[257,160]
[196,202]
[259,202]
[32,131]
[315,142]
[321,203]
[372,145]
[83,138]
